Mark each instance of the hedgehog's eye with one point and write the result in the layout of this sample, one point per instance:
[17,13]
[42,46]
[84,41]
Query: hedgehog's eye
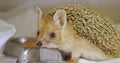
[38,33]
[52,35]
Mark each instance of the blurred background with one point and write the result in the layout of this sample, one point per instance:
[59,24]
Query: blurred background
[21,13]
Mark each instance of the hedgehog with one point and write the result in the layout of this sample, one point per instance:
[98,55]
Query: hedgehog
[93,26]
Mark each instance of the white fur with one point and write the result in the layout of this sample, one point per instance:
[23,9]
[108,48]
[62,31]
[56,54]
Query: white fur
[115,60]
[51,45]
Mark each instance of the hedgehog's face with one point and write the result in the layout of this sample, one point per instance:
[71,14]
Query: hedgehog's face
[50,30]
[48,34]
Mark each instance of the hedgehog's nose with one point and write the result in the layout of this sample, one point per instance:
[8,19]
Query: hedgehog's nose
[39,43]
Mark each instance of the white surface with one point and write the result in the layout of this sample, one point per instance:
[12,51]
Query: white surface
[49,55]
[6,31]
[7,60]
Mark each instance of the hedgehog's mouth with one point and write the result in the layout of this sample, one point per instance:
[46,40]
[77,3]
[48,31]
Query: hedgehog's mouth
[50,45]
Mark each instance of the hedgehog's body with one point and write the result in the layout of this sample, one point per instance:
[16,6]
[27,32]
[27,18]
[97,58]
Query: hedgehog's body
[88,24]
[93,26]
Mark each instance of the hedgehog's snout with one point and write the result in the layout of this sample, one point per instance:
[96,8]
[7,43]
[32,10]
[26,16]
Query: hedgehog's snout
[39,43]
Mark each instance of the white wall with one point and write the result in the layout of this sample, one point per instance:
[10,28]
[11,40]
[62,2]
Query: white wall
[25,23]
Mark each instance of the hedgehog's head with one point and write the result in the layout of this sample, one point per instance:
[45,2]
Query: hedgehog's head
[50,30]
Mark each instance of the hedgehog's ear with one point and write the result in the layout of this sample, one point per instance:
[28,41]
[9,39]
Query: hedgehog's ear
[39,12]
[60,18]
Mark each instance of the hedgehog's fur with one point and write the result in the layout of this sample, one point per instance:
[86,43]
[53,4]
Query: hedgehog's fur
[94,26]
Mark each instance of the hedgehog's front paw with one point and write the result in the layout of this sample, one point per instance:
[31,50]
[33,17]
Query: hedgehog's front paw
[84,61]
[73,60]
